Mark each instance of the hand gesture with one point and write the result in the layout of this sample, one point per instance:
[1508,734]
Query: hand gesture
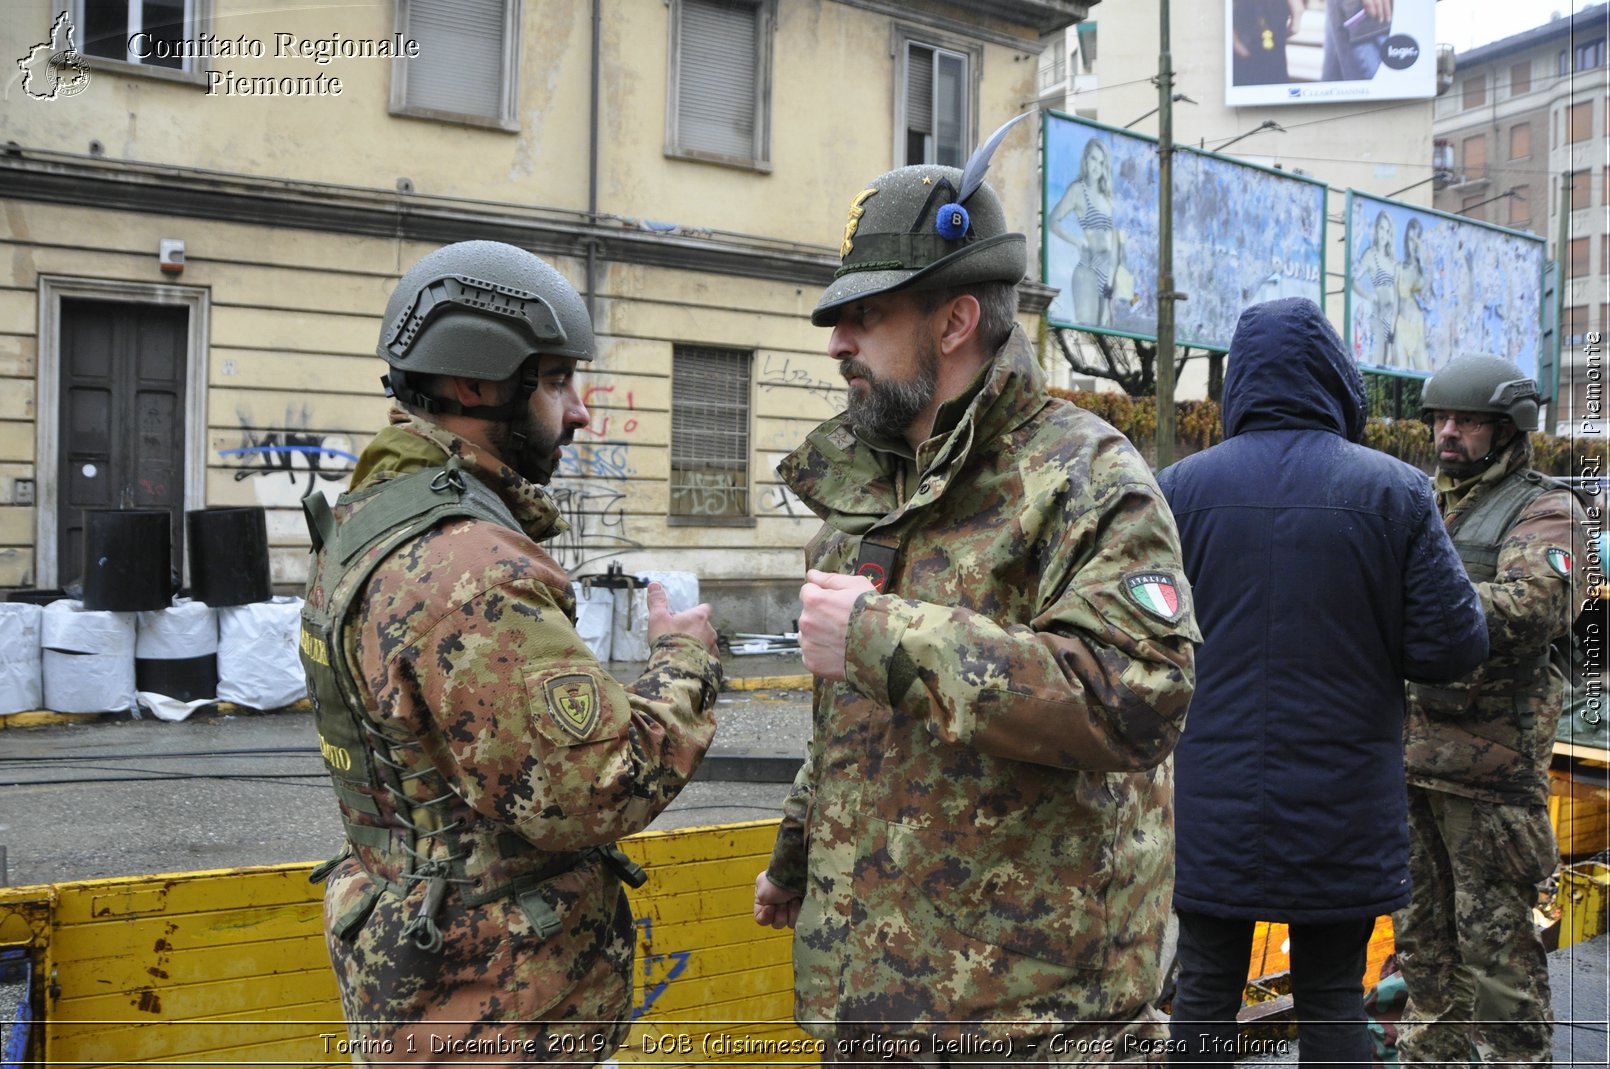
[826,601]
[775,906]
[694,622]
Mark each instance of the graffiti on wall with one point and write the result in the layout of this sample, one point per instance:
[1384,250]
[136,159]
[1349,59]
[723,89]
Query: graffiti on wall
[284,463]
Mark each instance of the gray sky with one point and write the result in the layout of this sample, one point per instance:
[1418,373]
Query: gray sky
[1466,24]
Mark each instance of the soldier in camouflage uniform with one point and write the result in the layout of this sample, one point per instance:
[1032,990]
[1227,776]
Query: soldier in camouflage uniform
[976,852]
[1478,750]
[483,760]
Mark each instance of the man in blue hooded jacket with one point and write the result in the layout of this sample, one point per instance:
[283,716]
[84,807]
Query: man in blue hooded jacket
[1323,578]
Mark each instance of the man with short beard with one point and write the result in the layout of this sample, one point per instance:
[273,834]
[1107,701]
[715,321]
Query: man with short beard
[976,854]
[1478,751]
[483,760]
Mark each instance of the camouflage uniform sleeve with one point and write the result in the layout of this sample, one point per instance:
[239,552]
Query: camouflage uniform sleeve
[1094,681]
[1537,588]
[537,735]
[787,868]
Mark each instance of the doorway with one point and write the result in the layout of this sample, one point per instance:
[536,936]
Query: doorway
[120,417]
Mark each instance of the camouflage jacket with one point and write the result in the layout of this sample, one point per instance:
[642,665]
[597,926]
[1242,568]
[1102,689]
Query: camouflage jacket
[983,825]
[1490,736]
[463,634]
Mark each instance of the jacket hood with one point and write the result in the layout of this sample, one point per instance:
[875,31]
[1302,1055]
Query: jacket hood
[1288,370]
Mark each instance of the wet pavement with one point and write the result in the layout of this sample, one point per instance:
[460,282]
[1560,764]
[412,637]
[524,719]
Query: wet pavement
[98,796]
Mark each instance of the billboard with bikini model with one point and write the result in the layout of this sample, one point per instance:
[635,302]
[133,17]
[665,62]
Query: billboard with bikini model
[1424,286]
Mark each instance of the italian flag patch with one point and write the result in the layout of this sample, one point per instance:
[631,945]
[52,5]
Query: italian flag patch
[1560,561]
[1155,592]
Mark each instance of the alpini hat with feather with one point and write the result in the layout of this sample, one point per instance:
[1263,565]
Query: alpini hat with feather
[925,227]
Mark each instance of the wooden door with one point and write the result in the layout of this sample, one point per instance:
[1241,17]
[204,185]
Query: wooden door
[121,400]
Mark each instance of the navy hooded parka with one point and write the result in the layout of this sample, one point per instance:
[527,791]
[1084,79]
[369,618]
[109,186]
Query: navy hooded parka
[1322,578]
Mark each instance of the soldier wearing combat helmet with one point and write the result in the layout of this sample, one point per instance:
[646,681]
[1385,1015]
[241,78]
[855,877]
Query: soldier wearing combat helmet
[975,855]
[484,762]
[1478,750]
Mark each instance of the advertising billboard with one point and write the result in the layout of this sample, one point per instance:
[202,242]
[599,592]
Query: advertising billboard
[1242,235]
[1328,51]
[1424,286]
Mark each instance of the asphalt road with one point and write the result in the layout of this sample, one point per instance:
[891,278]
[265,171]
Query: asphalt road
[114,796]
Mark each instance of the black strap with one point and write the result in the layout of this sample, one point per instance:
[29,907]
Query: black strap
[876,561]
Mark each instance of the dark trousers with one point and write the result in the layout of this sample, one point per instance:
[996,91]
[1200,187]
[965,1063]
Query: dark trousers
[1327,969]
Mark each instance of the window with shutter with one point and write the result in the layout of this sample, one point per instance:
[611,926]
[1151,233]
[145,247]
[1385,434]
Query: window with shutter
[1576,258]
[936,105]
[1520,206]
[719,98]
[1520,141]
[160,37]
[1579,122]
[710,435]
[467,64]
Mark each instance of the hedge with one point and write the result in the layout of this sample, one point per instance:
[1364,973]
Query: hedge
[1197,425]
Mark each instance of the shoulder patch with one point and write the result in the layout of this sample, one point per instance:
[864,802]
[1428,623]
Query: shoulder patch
[1560,561]
[1155,592]
[574,704]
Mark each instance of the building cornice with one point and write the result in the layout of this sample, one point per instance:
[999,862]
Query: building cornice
[95,183]
[88,182]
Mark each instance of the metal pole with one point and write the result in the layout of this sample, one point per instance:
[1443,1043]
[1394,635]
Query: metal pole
[1165,247]
[1550,390]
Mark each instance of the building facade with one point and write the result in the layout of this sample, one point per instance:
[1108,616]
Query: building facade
[206,204]
[1521,138]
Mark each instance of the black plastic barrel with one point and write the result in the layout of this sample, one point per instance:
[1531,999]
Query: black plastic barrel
[128,560]
[228,555]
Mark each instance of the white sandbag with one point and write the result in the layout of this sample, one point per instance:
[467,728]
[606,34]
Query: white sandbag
[681,588]
[628,637]
[22,671]
[258,665]
[594,607]
[176,659]
[183,630]
[88,658]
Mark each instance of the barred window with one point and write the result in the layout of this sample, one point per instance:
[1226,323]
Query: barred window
[710,434]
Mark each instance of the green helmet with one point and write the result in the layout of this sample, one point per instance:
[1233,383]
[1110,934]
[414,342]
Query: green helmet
[909,230]
[480,309]
[1482,384]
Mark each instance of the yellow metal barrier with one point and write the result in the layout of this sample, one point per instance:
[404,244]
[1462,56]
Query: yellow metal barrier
[229,966]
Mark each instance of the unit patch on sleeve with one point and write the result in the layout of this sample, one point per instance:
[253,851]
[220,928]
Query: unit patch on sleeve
[573,703]
[1560,561]
[1155,592]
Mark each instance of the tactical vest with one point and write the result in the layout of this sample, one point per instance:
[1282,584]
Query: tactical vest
[372,767]
[1477,537]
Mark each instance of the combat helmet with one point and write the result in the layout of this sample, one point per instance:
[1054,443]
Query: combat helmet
[924,227]
[480,310]
[1482,383]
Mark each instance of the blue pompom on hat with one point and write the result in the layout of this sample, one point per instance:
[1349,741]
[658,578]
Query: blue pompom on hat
[952,222]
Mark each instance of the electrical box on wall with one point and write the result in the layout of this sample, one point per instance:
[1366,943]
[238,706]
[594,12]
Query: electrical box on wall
[170,256]
[22,492]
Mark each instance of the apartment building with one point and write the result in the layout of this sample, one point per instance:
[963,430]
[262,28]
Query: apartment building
[1520,140]
[204,205]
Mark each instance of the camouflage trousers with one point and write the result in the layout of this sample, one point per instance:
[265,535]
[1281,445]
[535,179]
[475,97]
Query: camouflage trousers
[1475,969]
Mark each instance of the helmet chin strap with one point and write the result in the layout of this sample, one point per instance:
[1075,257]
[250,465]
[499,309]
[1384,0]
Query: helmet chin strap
[398,386]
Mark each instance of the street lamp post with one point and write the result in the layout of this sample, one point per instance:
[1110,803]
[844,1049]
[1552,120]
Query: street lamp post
[1164,447]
